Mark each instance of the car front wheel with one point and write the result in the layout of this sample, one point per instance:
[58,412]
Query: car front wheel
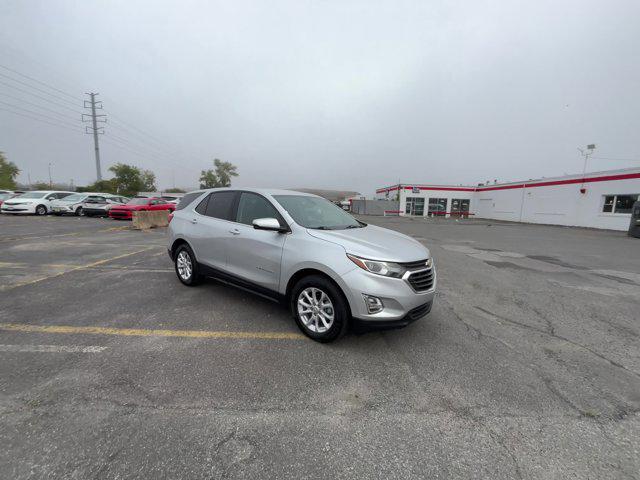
[186,266]
[319,308]
[41,210]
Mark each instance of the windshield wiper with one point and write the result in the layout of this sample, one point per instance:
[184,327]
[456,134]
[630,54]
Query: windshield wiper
[354,226]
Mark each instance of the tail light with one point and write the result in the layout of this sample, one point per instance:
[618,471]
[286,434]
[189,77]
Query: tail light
[170,216]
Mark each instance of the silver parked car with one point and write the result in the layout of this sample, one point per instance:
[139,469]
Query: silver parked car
[99,205]
[329,268]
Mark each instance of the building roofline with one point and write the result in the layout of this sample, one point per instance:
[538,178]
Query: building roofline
[603,175]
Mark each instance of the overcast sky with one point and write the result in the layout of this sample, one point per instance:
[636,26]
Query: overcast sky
[333,94]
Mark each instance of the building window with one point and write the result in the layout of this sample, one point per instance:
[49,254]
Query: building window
[460,207]
[619,203]
[414,206]
[437,207]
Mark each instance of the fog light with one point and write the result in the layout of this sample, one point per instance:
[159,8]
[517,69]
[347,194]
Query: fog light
[374,304]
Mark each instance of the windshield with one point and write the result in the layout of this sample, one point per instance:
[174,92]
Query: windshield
[33,195]
[316,212]
[76,197]
[4,196]
[138,201]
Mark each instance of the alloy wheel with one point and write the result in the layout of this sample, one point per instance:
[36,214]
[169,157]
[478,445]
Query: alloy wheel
[315,309]
[185,267]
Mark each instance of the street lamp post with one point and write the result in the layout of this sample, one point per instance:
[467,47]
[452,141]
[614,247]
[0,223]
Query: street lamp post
[586,153]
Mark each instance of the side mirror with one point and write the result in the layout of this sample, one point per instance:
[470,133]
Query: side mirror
[268,224]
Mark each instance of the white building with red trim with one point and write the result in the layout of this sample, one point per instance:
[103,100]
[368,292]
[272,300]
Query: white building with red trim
[596,200]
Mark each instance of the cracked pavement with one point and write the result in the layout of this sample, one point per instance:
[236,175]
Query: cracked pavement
[527,367]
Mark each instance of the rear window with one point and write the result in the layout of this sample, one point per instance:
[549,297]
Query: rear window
[138,201]
[187,199]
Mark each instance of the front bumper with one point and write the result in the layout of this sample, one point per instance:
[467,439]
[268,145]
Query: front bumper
[20,208]
[402,305]
[417,313]
[121,214]
[62,210]
[95,211]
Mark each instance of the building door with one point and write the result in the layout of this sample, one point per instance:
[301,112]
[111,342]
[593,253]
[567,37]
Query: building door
[414,206]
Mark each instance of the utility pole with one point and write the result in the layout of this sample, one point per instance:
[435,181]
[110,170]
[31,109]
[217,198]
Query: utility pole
[94,129]
[50,181]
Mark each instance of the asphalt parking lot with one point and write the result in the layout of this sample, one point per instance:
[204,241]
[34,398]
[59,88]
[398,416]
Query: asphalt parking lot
[527,367]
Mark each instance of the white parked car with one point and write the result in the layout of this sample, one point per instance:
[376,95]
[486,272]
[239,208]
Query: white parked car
[37,202]
[72,204]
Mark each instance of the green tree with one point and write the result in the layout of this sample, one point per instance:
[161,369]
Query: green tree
[8,173]
[40,185]
[175,190]
[221,177]
[102,186]
[148,181]
[129,180]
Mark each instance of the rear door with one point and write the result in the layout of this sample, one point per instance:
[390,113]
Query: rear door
[209,228]
[255,255]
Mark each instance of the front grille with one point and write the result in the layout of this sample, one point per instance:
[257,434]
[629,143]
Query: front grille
[420,311]
[417,265]
[421,280]
[119,213]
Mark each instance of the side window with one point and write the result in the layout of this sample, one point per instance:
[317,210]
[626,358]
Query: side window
[608,204]
[62,195]
[252,206]
[202,206]
[187,199]
[51,196]
[220,205]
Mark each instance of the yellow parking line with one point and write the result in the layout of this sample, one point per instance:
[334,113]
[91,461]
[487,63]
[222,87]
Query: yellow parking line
[80,267]
[140,332]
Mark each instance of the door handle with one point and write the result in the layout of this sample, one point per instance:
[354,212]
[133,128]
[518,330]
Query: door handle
[194,220]
[235,231]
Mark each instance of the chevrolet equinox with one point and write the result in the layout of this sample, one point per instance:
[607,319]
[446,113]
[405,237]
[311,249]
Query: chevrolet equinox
[329,268]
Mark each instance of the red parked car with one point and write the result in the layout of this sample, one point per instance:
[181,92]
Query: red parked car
[140,204]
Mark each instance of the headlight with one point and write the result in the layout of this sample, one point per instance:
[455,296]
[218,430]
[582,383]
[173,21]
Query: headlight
[386,269]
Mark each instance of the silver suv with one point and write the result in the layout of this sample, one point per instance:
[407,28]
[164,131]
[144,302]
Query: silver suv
[329,268]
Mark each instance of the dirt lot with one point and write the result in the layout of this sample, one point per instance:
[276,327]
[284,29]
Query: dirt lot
[527,367]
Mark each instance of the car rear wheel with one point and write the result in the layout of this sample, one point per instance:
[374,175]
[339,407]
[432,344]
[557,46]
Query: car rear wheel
[319,308]
[41,210]
[78,211]
[186,266]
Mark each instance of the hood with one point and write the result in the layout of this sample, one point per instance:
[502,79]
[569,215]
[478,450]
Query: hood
[18,201]
[375,243]
[63,203]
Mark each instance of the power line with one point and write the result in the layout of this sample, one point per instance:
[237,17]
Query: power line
[34,104]
[38,119]
[40,97]
[157,142]
[618,159]
[37,89]
[37,114]
[38,81]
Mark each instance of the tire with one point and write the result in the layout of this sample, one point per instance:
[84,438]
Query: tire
[186,266]
[78,211]
[41,210]
[314,291]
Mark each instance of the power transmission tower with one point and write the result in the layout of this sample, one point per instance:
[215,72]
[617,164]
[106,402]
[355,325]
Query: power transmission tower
[94,129]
